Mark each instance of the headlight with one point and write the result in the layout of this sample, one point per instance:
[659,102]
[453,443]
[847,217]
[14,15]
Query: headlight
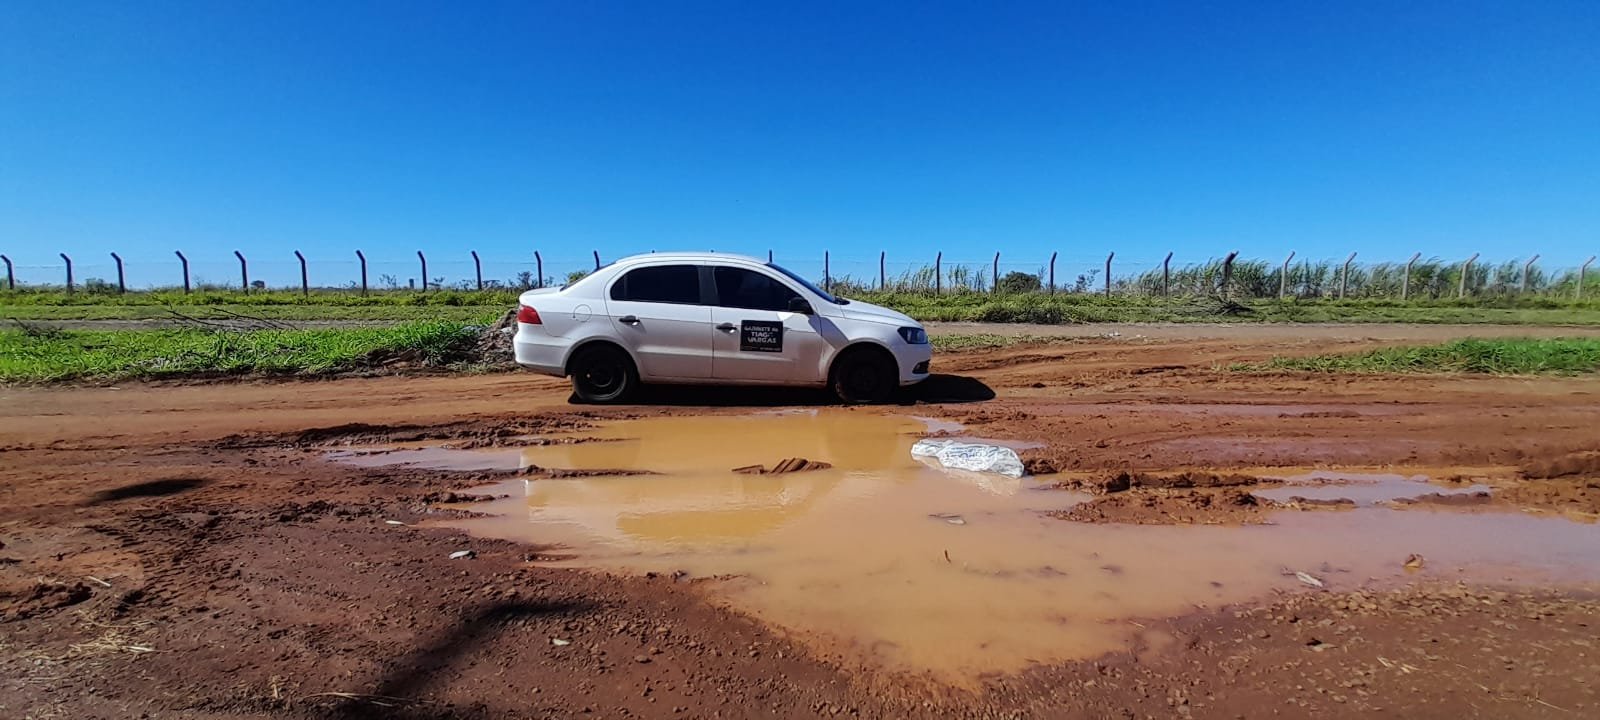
[914,335]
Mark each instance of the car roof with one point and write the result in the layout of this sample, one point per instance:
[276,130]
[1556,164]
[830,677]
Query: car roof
[693,256]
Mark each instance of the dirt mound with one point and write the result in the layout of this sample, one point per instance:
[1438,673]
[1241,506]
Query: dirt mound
[41,598]
[1578,463]
[1297,502]
[789,465]
[1567,495]
[1455,500]
[494,342]
[1172,507]
[1127,480]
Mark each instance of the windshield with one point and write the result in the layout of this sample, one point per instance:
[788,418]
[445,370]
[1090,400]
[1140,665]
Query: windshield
[807,283]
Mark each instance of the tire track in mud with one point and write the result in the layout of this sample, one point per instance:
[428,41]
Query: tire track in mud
[170,548]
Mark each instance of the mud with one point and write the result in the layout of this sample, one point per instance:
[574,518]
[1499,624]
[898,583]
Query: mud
[1121,481]
[251,574]
[846,560]
[1181,507]
[1582,463]
[1370,489]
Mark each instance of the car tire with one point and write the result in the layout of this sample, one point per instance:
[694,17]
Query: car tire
[603,374]
[863,377]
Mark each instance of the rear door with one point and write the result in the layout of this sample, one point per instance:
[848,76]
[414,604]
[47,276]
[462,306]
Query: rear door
[757,338]
[657,313]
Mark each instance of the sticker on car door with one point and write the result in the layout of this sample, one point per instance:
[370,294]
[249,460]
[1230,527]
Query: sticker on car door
[760,336]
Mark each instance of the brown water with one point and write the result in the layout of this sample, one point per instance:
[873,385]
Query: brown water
[1361,488]
[887,560]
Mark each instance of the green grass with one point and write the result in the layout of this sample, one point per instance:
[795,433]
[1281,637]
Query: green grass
[339,298]
[400,306]
[1076,308]
[980,341]
[284,313]
[48,356]
[1512,356]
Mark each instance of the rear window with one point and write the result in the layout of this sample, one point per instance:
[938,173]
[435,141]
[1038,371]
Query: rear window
[660,283]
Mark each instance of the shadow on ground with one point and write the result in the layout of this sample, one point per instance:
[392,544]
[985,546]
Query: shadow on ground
[152,488]
[395,695]
[937,389]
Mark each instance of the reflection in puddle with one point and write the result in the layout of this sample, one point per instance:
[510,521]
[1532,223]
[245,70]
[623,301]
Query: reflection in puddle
[1361,488]
[886,559]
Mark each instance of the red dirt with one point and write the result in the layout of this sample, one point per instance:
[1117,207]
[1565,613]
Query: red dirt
[1172,507]
[183,550]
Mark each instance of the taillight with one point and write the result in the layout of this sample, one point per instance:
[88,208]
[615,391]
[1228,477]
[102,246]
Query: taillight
[528,315]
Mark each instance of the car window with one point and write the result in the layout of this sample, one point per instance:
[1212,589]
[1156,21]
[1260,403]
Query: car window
[751,290]
[659,283]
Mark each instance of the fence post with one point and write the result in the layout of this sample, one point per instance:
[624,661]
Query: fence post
[1405,281]
[1344,275]
[305,281]
[827,275]
[1466,267]
[1227,272]
[938,273]
[1582,272]
[477,269]
[363,259]
[122,280]
[1166,274]
[1108,272]
[538,269]
[68,261]
[244,272]
[881,274]
[1522,287]
[1283,277]
[597,259]
[185,262]
[11,275]
[424,260]
[995,275]
[1052,273]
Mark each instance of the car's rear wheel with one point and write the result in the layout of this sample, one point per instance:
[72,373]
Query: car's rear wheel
[603,374]
[865,376]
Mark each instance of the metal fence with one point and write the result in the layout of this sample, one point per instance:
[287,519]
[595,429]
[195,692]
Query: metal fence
[1226,276]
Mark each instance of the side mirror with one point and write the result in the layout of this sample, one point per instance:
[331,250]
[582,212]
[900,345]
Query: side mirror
[799,305]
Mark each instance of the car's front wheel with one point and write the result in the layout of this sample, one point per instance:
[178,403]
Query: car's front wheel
[603,374]
[865,376]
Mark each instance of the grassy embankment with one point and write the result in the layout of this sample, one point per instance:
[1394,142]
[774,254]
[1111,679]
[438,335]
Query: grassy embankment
[456,305]
[104,355]
[1509,356]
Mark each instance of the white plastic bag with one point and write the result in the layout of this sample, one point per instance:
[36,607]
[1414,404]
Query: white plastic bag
[970,456]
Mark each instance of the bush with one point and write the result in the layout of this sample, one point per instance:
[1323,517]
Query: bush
[1018,283]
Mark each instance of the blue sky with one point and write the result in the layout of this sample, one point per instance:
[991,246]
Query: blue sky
[1385,128]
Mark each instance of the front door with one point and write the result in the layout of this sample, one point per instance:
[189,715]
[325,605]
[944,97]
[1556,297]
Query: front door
[658,315]
[756,337]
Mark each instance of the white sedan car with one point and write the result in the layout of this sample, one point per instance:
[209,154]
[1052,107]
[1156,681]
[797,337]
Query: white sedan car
[714,318]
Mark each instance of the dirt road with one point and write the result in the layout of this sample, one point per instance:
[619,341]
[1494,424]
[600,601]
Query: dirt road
[192,551]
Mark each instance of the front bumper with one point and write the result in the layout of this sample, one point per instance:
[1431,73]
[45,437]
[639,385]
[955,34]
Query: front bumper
[914,363]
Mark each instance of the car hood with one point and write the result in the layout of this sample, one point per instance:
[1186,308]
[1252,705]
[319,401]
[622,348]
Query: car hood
[868,312]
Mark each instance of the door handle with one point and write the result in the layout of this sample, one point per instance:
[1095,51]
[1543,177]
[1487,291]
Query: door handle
[727,327]
[628,320]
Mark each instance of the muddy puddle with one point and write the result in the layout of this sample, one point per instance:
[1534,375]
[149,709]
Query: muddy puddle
[1364,489]
[884,560]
